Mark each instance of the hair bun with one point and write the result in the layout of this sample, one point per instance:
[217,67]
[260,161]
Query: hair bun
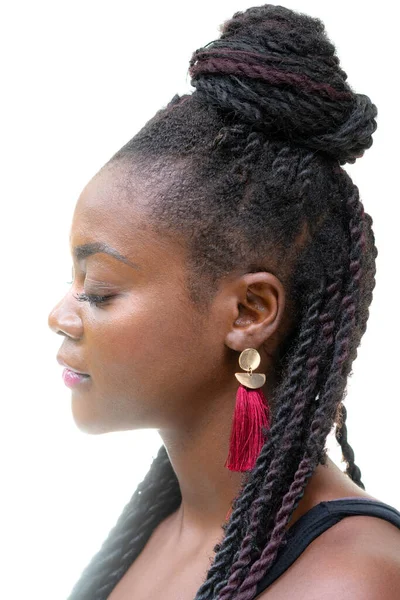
[276,70]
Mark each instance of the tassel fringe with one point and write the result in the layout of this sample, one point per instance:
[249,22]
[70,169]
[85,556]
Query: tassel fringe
[251,414]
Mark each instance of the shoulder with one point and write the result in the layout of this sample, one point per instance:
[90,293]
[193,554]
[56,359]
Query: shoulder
[369,578]
[356,559]
[360,560]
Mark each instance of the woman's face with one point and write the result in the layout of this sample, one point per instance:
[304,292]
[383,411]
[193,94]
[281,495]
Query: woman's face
[151,357]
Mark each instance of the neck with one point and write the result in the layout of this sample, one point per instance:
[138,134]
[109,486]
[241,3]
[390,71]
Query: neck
[198,450]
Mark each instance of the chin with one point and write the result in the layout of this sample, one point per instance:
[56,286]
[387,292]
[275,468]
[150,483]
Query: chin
[87,419]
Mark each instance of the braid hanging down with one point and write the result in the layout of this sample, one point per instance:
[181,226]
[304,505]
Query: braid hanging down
[261,142]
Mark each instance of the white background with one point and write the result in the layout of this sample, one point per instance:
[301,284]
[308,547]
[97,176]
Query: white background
[78,80]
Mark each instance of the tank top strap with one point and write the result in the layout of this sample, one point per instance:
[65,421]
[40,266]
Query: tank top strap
[318,519]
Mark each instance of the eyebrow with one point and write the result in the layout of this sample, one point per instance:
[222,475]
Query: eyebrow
[85,250]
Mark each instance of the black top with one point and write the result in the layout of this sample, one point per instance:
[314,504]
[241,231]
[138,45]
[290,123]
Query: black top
[317,520]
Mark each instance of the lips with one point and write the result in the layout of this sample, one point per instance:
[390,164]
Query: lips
[64,363]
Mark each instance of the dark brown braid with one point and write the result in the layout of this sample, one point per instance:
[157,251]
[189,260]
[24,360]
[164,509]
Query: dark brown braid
[157,496]
[249,170]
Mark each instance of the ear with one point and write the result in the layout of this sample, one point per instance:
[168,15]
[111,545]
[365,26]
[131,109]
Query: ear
[258,303]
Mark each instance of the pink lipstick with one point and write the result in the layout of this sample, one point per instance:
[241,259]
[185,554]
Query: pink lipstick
[71,378]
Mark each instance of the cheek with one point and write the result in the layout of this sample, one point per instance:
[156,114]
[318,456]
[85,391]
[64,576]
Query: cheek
[146,353]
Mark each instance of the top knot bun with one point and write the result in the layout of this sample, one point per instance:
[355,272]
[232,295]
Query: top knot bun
[276,70]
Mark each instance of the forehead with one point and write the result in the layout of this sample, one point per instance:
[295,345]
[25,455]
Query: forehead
[112,209]
[107,203]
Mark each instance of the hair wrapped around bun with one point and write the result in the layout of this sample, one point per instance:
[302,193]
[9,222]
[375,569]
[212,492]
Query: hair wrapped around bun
[276,70]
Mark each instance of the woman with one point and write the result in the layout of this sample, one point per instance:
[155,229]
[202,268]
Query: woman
[226,244]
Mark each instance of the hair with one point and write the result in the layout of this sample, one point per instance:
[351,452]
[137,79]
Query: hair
[250,171]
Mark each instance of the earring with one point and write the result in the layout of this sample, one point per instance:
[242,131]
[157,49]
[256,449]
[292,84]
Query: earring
[251,417]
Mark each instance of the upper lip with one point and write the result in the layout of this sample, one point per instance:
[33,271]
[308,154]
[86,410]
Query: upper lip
[64,363]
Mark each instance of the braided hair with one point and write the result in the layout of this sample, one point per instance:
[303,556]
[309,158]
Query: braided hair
[252,169]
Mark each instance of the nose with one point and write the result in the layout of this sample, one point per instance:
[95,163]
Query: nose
[64,320]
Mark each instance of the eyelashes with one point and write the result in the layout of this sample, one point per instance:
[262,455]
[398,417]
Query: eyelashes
[93,299]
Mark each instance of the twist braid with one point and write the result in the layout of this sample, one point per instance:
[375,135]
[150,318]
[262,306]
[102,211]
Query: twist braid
[154,498]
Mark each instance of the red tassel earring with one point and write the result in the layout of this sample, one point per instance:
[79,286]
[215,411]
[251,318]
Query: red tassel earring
[252,414]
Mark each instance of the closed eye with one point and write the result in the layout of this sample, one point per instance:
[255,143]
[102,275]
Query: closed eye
[93,299]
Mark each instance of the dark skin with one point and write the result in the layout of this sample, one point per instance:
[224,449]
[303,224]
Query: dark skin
[156,362]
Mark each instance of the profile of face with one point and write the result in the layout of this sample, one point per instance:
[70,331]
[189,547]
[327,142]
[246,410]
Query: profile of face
[137,345]
[153,360]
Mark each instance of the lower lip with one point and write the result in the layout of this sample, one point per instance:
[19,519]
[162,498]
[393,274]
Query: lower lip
[71,379]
